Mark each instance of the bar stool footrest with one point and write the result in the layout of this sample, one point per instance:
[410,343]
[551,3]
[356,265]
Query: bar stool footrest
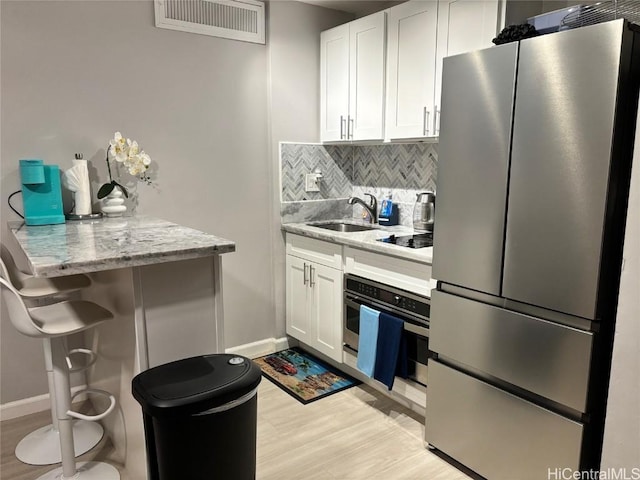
[100,416]
[79,368]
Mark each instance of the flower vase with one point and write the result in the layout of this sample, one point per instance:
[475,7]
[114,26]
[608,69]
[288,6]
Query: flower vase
[113,204]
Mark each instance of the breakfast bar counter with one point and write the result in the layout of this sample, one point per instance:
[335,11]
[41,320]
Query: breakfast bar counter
[108,243]
[162,282]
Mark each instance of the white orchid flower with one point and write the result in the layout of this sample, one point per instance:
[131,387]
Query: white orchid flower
[121,155]
[128,153]
[118,140]
[146,159]
[133,147]
[118,148]
[135,169]
[134,163]
[116,153]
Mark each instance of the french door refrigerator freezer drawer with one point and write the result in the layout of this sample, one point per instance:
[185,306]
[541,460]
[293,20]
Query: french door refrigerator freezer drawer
[543,357]
[494,433]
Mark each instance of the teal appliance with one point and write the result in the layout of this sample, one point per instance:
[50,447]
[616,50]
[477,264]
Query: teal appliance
[41,193]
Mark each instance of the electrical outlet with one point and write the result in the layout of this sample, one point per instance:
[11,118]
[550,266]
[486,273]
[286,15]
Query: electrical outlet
[311,182]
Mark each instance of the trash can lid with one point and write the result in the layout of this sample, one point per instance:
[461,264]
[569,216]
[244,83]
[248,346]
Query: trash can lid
[195,384]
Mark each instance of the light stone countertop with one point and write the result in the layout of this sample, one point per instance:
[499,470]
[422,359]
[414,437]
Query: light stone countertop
[366,240]
[111,243]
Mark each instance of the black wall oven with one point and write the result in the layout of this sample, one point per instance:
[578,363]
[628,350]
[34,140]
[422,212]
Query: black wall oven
[411,308]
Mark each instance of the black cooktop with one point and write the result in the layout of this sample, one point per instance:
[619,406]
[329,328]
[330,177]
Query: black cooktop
[411,241]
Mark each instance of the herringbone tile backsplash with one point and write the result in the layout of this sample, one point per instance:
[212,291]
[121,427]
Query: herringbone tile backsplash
[411,166]
[335,163]
[399,169]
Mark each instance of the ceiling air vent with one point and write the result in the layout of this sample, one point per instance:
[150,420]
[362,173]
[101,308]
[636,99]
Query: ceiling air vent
[234,19]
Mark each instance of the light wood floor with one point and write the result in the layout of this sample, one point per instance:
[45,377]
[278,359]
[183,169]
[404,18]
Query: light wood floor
[355,434]
[12,431]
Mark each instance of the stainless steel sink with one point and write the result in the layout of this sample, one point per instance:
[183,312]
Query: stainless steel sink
[345,227]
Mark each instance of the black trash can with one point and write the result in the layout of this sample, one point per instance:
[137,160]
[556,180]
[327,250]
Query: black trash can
[200,417]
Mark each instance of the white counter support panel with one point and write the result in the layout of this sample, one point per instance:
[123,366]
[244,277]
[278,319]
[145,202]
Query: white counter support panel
[174,300]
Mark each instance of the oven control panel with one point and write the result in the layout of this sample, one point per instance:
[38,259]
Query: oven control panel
[406,301]
[364,289]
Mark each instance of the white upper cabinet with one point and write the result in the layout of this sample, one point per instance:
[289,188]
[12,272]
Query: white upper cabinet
[463,26]
[420,35]
[352,59]
[334,83]
[413,37]
[366,77]
[411,50]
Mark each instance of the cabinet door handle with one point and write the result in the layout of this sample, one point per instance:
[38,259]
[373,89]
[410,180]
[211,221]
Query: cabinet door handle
[436,121]
[425,121]
[342,125]
[305,273]
[311,275]
[350,128]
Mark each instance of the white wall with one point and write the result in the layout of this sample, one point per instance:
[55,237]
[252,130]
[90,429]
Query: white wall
[519,10]
[621,448]
[75,72]
[294,76]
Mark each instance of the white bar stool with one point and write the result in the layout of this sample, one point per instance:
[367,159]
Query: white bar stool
[42,446]
[53,323]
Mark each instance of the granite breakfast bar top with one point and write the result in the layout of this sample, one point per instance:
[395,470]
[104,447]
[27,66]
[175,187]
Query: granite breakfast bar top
[366,240]
[111,243]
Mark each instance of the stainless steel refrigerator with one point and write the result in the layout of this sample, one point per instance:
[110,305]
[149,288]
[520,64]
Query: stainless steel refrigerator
[535,156]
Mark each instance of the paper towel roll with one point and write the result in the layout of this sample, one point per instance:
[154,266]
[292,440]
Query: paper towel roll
[76,179]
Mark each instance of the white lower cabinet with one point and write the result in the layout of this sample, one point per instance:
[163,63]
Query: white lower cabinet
[314,298]
[298,299]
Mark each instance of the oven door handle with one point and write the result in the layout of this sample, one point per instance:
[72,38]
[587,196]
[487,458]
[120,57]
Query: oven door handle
[349,302]
[354,302]
[422,331]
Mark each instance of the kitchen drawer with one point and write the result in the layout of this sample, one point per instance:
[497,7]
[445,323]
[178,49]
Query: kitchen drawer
[404,274]
[542,357]
[318,251]
[494,433]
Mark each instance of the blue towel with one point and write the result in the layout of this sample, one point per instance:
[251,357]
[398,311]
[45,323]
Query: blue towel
[391,351]
[367,340]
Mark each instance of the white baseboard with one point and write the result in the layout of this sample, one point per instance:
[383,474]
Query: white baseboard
[39,403]
[36,404]
[260,348]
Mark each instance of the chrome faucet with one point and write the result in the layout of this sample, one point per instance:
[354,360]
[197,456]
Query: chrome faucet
[371,208]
